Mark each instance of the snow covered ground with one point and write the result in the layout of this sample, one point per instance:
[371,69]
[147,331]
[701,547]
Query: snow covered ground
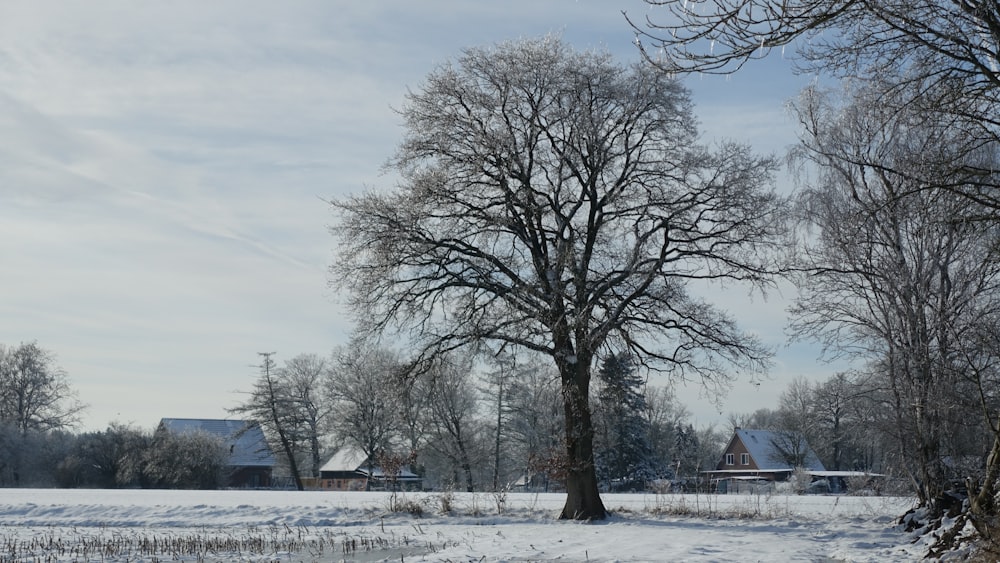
[144,525]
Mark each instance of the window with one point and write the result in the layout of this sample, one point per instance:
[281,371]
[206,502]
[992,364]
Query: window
[729,459]
[744,459]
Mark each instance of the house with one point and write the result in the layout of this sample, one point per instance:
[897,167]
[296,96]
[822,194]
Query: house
[348,470]
[762,456]
[250,462]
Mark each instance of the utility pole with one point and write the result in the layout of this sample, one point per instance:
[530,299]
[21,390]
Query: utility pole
[267,363]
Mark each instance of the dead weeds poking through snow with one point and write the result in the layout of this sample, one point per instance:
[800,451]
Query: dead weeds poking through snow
[254,544]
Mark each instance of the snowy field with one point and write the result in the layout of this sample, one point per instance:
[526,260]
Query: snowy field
[104,525]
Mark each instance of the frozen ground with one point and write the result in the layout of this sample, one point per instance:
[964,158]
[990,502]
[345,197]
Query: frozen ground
[104,525]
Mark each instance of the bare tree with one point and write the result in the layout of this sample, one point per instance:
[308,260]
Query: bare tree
[845,434]
[981,369]
[870,408]
[456,431]
[959,38]
[556,201]
[496,387]
[710,443]
[534,423]
[111,458]
[763,419]
[796,415]
[362,389]
[186,460]
[940,56]
[671,435]
[34,392]
[412,396]
[273,405]
[303,378]
[895,273]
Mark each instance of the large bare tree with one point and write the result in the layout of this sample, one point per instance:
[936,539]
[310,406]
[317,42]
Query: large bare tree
[560,202]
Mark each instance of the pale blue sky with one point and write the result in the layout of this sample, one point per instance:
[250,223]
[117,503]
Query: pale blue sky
[163,166]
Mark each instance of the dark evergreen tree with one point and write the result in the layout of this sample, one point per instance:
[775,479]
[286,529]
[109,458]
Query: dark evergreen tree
[624,457]
[686,448]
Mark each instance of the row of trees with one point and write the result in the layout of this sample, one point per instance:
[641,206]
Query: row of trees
[901,270]
[465,421]
[118,457]
[851,422]
[467,424]
[476,427]
[470,425]
[38,410]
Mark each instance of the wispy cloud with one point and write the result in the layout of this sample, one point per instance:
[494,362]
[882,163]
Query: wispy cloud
[163,168]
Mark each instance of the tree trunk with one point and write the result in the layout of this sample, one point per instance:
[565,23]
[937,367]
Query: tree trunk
[314,446]
[276,418]
[583,499]
[466,465]
[982,505]
[836,441]
[371,471]
[293,467]
[496,443]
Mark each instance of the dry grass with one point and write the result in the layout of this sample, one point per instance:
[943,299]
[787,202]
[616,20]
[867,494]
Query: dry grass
[253,545]
[752,506]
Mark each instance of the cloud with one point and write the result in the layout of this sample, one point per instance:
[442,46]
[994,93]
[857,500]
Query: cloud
[163,169]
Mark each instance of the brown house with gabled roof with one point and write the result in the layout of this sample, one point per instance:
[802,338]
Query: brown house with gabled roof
[764,455]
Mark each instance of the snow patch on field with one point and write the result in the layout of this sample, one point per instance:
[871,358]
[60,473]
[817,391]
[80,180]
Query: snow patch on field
[321,526]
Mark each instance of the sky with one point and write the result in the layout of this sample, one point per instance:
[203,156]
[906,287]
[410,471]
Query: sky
[165,167]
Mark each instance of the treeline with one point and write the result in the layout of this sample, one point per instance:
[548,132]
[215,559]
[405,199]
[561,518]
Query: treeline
[463,422]
[118,457]
[38,411]
[853,423]
[468,421]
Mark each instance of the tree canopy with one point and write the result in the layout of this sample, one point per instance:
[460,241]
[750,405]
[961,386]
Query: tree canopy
[35,393]
[558,201]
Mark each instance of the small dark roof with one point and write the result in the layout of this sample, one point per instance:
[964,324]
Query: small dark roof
[245,440]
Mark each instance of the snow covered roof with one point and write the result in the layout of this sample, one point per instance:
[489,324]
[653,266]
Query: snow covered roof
[756,473]
[245,440]
[845,474]
[345,459]
[765,447]
[353,459]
